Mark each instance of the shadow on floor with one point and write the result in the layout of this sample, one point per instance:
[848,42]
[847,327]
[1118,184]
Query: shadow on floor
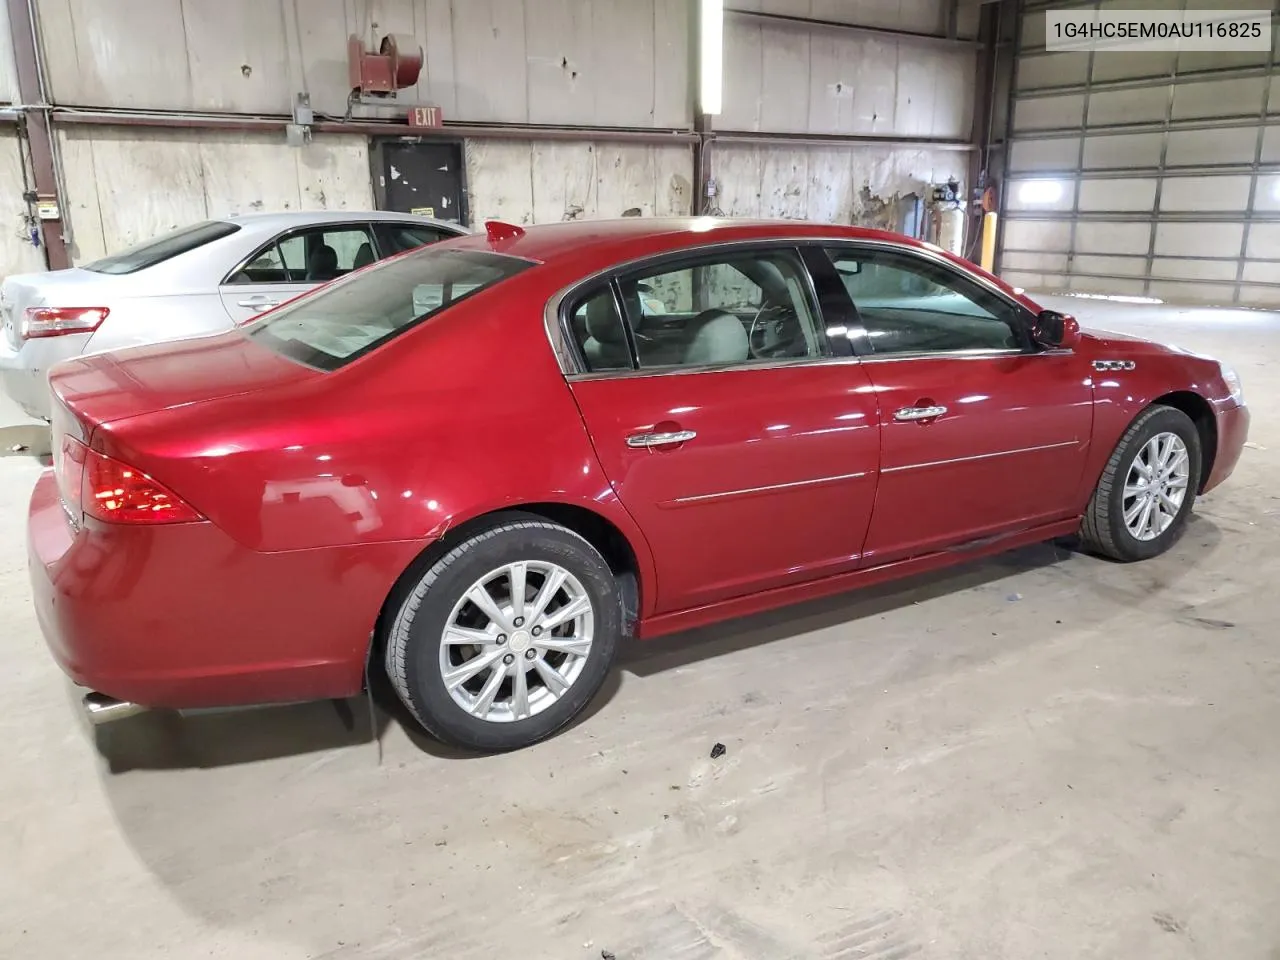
[163,740]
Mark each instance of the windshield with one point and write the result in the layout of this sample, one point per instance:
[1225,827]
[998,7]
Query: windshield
[163,248]
[348,318]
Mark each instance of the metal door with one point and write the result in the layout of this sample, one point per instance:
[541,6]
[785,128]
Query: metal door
[420,177]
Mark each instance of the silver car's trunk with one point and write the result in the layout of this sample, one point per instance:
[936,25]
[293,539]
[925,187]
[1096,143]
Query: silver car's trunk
[58,288]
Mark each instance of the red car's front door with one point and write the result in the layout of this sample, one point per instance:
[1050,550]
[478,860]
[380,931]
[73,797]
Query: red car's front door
[747,456]
[981,432]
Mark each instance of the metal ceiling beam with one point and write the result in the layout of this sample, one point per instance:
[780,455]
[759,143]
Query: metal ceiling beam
[451,131]
[35,123]
[779,19]
[840,140]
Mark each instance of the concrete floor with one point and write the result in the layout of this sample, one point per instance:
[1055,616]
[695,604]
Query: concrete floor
[1044,755]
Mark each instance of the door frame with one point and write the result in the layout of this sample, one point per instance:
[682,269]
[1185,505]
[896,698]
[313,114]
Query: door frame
[378,170]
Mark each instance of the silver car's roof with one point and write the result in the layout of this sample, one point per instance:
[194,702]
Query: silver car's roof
[283,220]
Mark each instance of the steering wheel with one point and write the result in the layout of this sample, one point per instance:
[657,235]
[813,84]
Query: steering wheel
[751,332]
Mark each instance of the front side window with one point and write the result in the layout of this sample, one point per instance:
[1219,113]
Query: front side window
[312,255]
[733,308]
[911,305]
[163,248]
[335,325]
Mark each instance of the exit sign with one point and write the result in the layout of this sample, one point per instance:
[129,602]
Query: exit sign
[420,117]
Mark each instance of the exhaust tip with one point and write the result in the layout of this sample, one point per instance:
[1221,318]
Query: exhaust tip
[100,708]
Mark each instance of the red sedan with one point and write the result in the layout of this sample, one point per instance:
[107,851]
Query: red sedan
[484,463]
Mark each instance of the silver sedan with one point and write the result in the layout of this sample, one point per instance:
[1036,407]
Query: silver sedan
[193,282]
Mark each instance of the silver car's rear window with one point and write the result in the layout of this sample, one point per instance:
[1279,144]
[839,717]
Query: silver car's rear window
[349,317]
[163,248]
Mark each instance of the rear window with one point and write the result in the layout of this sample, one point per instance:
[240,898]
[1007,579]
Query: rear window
[163,248]
[346,319]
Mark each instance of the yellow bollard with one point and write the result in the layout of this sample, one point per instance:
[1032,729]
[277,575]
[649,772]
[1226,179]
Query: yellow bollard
[988,241]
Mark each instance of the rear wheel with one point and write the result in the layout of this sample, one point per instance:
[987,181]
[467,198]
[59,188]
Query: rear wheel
[507,637]
[1147,489]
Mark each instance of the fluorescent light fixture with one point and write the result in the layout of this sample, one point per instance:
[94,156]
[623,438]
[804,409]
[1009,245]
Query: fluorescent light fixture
[1040,191]
[711,56]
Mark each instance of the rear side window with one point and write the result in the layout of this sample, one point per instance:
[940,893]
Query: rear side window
[311,255]
[163,248]
[349,318]
[398,237]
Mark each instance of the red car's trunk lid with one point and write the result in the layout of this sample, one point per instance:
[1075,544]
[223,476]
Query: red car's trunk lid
[106,387]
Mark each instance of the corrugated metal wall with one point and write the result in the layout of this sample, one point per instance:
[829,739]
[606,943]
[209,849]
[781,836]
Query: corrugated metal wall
[1147,174]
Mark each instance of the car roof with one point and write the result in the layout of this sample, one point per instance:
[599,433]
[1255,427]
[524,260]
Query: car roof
[586,247]
[607,240]
[282,220]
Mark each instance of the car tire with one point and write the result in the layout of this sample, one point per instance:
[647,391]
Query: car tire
[418,658]
[1106,528]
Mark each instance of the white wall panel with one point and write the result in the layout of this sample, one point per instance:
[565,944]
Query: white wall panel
[1052,70]
[1110,266]
[1127,106]
[831,184]
[1101,237]
[1117,195]
[1221,271]
[1111,151]
[1044,113]
[1264,242]
[1188,148]
[584,62]
[1050,153]
[8,66]
[1205,193]
[1038,235]
[1199,239]
[536,182]
[793,78]
[127,184]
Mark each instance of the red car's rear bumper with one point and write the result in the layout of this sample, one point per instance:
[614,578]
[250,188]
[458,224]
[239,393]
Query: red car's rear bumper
[1233,431]
[180,615]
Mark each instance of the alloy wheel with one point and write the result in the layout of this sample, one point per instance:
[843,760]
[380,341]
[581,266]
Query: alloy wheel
[516,641]
[1156,486]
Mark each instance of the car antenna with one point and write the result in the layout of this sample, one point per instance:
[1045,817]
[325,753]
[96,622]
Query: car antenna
[500,232]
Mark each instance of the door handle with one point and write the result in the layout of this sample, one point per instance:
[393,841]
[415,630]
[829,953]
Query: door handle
[660,439]
[919,413]
[258,303]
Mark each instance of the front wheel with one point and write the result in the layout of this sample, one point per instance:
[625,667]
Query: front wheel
[507,637]
[1145,495]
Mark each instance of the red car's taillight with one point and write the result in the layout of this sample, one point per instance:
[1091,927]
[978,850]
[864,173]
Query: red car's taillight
[57,321]
[116,492]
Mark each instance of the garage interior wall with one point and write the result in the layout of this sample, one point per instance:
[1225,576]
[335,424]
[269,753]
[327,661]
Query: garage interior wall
[1145,174]
[806,86]
[789,77]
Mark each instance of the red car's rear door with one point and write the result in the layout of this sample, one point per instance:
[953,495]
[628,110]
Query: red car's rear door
[745,452]
[982,433]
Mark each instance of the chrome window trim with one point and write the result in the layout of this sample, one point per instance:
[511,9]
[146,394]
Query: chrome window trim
[570,366]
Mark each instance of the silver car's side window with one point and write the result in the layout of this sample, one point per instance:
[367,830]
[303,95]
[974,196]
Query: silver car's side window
[310,255]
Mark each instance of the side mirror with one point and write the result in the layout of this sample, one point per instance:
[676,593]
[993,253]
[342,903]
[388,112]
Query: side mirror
[1057,331]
